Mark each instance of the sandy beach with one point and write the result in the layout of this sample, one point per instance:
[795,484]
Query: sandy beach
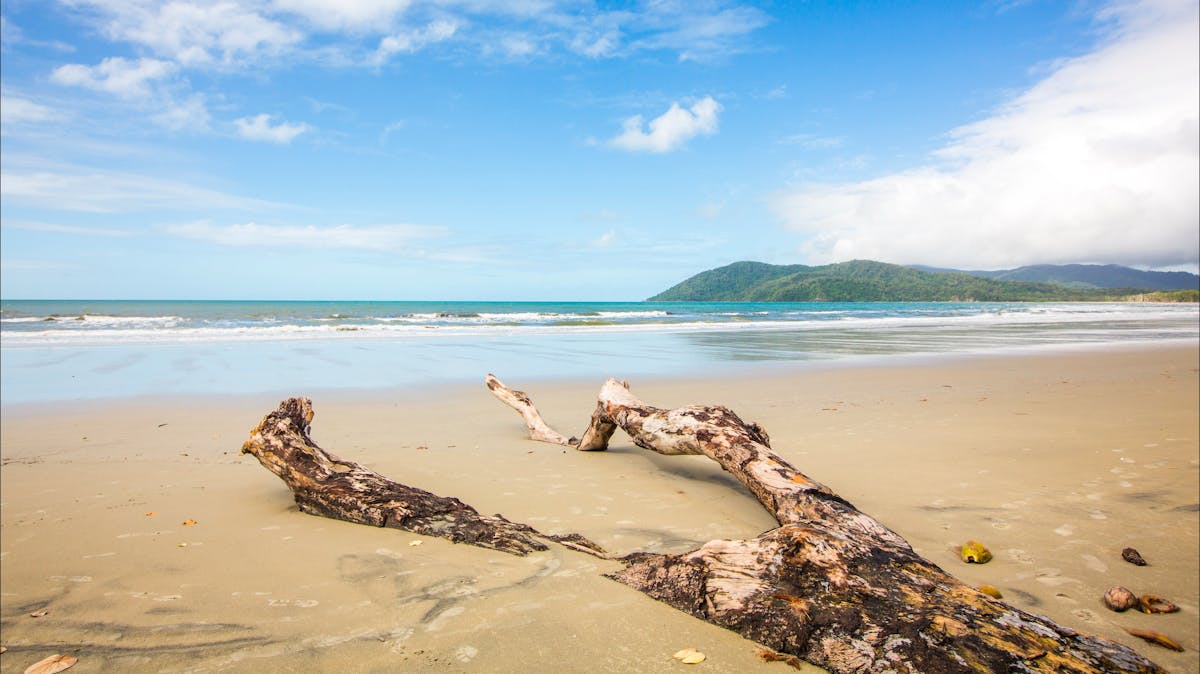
[1055,461]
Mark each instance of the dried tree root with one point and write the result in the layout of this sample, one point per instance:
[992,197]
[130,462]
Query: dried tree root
[326,485]
[830,585]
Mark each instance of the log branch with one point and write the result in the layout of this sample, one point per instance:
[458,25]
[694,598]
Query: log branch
[831,584]
[326,485]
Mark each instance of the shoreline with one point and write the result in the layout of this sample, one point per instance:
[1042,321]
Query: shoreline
[1054,460]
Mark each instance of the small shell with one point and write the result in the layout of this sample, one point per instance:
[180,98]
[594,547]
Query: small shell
[1152,604]
[973,552]
[689,656]
[1120,598]
[1131,555]
[991,591]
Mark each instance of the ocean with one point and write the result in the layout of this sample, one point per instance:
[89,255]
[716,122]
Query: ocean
[68,350]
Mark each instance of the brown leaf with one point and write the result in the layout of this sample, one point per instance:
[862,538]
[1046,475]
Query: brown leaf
[1156,638]
[190,523]
[1153,604]
[52,664]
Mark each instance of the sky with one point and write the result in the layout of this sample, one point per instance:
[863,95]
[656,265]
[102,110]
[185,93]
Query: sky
[579,150]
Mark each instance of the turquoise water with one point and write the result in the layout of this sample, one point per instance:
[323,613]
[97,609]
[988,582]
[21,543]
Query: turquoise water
[62,350]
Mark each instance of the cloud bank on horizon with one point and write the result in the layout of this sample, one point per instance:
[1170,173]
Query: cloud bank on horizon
[1098,161]
[148,144]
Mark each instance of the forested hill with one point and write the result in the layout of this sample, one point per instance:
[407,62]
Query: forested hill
[1089,276]
[866,281]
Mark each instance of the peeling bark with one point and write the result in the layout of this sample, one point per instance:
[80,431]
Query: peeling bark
[831,584]
[326,485]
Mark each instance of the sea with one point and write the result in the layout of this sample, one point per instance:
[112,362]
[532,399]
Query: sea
[84,350]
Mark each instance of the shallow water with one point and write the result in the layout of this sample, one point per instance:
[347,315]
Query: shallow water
[83,350]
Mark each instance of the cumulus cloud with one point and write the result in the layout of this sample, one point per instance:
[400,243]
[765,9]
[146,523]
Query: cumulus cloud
[374,238]
[204,32]
[670,130]
[126,78]
[1097,162]
[259,127]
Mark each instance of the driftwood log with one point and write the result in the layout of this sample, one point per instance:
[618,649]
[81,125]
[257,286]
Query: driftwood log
[326,485]
[830,585]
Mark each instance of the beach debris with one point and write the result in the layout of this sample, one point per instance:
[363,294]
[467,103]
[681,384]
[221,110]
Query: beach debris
[40,614]
[52,664]
[190,523]
[329,486]
[151,514]
[846,577]
[1120,598]
[1153,604]
[1156,638]
[689,656]
[768,655]
[974,552]
[991,591]
[415,542]
[182,545]
[1132,556]
[3,650]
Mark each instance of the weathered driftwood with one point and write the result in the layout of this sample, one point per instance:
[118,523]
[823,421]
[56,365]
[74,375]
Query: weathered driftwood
[830,584]
[326,485]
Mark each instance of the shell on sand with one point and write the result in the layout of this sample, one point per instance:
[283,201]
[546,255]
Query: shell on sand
[1120,598]
[689,656]
[52,664]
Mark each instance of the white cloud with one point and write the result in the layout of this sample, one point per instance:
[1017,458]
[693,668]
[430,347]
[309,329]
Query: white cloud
[670,130]
[15,110]
[413,40]
[249,33]
[375,238]
[115,75]
[353,15]
[192,33]
[79,188]
[33,226]
[1098,162]
[605,240]
[259,127]
[186,115]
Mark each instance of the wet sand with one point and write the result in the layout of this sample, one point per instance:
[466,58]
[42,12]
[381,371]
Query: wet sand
[1056,462]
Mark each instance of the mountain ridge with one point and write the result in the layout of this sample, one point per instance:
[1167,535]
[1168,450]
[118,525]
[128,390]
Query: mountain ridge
[872,281]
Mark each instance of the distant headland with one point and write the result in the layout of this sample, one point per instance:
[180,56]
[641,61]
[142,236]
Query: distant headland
[871,281]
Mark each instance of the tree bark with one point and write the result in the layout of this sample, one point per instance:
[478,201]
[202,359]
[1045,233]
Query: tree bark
[831,584]
[326,485]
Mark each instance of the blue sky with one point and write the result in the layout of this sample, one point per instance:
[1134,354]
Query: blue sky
[573,150]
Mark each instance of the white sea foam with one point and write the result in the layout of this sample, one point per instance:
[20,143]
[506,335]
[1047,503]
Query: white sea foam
[1092,319]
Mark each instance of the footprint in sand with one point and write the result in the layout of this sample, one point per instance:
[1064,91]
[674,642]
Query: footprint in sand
[1065,530]
[1094,563]
[466,653]
[1084,614]
[1019,556]
[298,603]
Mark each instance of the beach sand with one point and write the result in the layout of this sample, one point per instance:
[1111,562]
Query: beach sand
[1055,462]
